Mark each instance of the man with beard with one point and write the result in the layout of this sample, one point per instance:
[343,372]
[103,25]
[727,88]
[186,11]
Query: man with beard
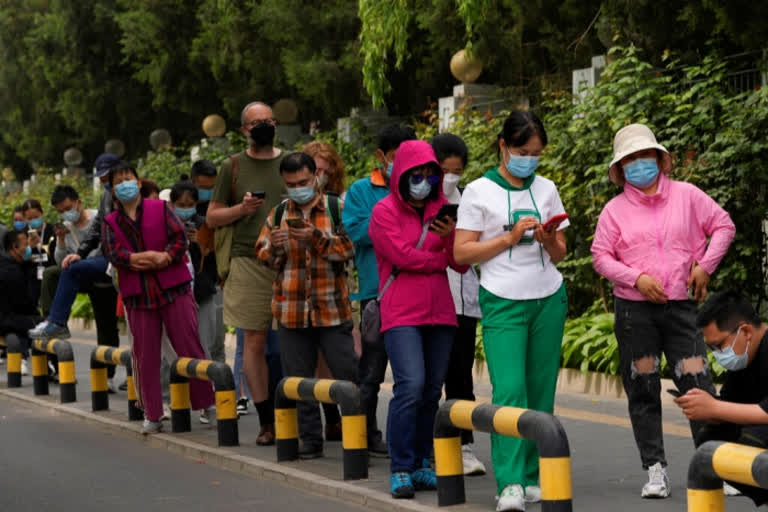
[247,188]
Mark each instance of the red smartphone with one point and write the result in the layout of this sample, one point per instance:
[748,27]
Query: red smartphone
[555,221]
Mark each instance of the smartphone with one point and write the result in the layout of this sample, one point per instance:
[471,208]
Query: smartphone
[32,232]
[259,194]
[295,222]
[555,221]
[448,210]
[675,393]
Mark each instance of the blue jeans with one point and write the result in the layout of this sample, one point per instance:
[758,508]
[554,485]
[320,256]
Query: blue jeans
[241,390]
[77,276]
[419,358]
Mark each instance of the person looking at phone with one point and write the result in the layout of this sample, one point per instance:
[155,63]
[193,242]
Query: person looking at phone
[41,237]
[305,242]
[522,295]
[651,242]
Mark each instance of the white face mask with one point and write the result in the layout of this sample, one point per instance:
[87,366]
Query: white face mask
[450,182]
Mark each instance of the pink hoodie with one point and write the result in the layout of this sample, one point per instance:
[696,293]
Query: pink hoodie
[661,235]
[420,294]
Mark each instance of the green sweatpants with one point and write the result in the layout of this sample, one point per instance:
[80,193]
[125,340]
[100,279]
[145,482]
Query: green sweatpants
[522,340]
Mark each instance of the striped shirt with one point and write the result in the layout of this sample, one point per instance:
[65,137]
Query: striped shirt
[311,287]
[153,296]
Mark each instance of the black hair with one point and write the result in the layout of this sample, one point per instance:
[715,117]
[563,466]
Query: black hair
[727,309]
[390,137]
[63,192]
[120,167]
[19,209]
[148,187]
[447,145]
[296,162]
[31,204]
[11,238]
[203,168]
[520,126]
[183,187]
[404,185]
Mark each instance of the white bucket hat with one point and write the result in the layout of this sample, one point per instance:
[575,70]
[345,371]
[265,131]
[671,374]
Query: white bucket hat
[631,139]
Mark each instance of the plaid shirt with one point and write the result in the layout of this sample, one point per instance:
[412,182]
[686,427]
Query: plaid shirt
[153,296]
[311,287]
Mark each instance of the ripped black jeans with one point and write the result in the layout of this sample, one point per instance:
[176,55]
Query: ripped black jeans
[643,331]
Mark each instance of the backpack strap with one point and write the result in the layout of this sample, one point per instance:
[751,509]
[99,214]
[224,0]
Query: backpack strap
[332,205]
[279,212]
[235,169]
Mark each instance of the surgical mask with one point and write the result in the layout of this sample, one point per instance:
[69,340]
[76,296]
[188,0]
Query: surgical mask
[185,213]
[72,215]
[36,223]
[204,194]
[263,134]
[27,254]
[450,182]
[127,191]
[18,225]
[419,190]
[729,360]
[301,195]
[642,172]
[522,166]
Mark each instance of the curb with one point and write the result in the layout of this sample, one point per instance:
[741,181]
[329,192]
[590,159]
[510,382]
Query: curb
[231,461]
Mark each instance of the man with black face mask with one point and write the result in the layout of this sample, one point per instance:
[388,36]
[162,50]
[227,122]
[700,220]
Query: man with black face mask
[247,188]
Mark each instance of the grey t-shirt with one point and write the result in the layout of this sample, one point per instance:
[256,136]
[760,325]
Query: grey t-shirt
[73,239]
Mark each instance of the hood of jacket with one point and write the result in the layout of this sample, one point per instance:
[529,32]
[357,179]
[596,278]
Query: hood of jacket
[640,198]
[412,154]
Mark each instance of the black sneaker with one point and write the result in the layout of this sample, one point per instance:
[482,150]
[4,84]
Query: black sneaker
[307,451]
[378,448]
[242,406]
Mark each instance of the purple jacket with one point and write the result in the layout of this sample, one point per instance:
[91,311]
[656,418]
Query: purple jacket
[420,295]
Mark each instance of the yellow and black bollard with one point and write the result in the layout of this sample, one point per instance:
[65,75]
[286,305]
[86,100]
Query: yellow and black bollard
[134,413]
[223,381]
[12,345]
[354,438]
[66,366]
[39,372]
[543,428]
[181,416]
[101,357]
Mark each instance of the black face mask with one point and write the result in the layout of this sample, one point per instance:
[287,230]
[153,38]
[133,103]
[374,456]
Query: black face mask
[263,134]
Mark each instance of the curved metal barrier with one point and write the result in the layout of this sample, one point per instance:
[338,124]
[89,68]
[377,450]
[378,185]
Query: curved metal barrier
[12,345]
[329,391]
[543,428]
[63,350]
[101,357]
[715,461]
[220,374]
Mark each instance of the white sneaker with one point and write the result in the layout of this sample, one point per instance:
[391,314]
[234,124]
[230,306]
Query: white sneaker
[24,367]
[730,490]
[658,483]
[111,386]
[472,466]
[166,413]
[512,498]
[151,427]
[532,494]
[208,416]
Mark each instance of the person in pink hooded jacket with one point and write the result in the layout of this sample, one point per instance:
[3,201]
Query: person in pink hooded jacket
[418,317]
[651,242]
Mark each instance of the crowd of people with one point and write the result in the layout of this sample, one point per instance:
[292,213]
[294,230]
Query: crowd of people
[275,240]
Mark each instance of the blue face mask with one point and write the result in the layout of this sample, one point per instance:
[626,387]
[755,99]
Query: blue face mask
[642,172]
[72,215]
[522,166]
[18,225]
[204,194]
[185,213]
[419,190]
[302,195]
[36,223]
[729,360]
[27,254]
[127,191]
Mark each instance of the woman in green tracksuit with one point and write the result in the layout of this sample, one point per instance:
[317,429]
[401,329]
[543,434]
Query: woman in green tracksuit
[522,295]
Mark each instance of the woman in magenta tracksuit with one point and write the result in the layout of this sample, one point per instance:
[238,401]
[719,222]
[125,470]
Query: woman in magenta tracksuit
[658,241]
[417,312]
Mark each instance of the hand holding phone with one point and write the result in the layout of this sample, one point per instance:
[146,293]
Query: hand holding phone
[554,222]
[295,223]
[675,393]
[259,194]
[448,210]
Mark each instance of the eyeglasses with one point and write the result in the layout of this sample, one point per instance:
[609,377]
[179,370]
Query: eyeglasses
[259,121]
[432,179]
[718,346]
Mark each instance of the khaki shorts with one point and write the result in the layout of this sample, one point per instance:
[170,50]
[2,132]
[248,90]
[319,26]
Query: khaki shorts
[248,295]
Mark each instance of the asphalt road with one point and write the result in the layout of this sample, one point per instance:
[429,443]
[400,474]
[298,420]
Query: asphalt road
[51,462]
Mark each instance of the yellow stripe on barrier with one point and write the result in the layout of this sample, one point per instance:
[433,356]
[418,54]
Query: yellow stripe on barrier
[354,432]
[201,369]
[66,372]
[448,456]
[706,500]
[180,396]
[226,405]
[322,390]
[98,379]
[181,366]
[116,356]
[131,388]
[100,351]
[39,366]
[14,362]
[461,414]
[555,478]
[734,462]
[505,421]
[286,424]
[291,388]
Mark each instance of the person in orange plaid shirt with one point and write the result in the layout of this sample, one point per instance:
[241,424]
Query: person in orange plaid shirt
[303,239]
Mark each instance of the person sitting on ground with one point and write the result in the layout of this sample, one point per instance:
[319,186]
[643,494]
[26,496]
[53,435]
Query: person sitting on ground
[147,243]
[738,339]
[303,240]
